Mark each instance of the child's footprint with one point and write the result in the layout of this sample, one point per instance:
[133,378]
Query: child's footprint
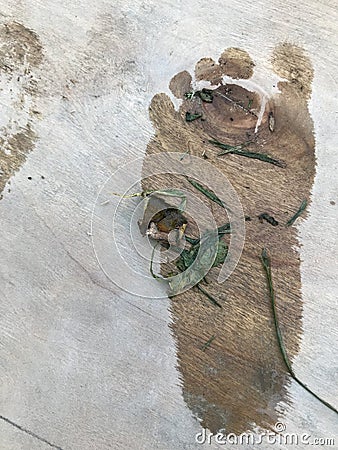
[239,379]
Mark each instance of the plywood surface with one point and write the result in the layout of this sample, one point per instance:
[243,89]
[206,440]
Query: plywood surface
[85,364]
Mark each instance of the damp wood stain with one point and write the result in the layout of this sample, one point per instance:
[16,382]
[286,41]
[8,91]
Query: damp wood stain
[241,377]
[20,55]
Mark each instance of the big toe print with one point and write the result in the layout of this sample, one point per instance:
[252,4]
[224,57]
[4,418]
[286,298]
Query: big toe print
[265,148]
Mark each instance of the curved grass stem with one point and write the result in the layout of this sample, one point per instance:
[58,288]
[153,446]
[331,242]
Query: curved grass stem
[267,267]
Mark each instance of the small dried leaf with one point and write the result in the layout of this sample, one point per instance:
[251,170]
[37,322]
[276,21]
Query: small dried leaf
[206,95]
[195,263]
[222,252]
[224,229]
[187,257]
[192,241]
[271,220]
[190,117]
[189,95]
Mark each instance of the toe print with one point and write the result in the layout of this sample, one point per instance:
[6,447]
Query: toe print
[20,55]
[267,147]
[233,62]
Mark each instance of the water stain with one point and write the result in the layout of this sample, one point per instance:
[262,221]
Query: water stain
[240,378]
[108,58]
[20,54]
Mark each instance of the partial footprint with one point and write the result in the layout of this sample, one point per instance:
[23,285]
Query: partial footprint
[240,378]
[20,55]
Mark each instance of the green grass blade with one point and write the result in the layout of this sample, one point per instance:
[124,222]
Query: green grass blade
[226,147]
[267,267]
[208,343]
[261,157]
[209,296]
[211,195]
[301,209]
[239,150]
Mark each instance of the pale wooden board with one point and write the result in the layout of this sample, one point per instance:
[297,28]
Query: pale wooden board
[82,366]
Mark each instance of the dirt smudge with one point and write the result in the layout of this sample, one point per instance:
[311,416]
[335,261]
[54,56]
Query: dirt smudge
[20,54]
[19,46]
[290,62]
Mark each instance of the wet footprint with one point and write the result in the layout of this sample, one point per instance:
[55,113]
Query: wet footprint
[239,379]
[20,55]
